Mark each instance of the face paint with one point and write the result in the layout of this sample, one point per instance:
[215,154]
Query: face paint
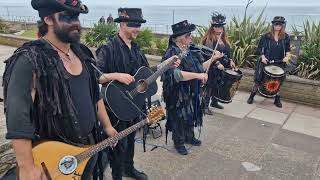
[134,24]
[69,18]
[68,32]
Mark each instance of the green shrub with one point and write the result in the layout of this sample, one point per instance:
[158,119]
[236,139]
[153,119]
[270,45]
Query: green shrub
[3,27]
[145,38]
[309,59]
[100,34]
[161,45]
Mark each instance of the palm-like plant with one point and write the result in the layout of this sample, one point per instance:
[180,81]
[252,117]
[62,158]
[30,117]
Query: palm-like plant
[145,38]
[309,60]
[244,35]
[100,34]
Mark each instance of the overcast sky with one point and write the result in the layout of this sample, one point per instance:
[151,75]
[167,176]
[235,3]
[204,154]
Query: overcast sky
[138,3]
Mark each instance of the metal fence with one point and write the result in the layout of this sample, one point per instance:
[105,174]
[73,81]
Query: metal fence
[156,28]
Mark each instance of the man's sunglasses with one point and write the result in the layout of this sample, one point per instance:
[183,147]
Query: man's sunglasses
[134,24]
[188,34]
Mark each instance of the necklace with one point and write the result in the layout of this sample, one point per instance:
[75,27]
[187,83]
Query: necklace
[67,54]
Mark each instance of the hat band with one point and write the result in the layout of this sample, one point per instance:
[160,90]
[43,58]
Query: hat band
[44,12]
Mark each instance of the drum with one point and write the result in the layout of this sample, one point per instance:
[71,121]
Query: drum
[271,83]
[229,86]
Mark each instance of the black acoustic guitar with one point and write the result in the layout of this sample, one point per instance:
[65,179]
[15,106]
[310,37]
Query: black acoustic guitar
[127,101]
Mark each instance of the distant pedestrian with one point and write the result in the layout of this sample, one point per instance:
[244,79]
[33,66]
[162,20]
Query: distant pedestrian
[102,20]
[110,19]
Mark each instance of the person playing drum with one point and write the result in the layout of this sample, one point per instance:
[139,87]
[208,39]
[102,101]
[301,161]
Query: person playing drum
[274,47]
[221,59]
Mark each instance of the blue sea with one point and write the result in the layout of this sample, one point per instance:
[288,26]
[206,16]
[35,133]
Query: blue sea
[160,18]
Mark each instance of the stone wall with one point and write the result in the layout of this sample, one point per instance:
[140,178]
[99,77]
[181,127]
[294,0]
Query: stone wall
[294,89]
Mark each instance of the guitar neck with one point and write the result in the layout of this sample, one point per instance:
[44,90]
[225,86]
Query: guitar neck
[158,73]
[163,69]
[109,141]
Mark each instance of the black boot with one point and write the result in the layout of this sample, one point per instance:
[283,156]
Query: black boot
[135,174]
[194,142]
[181,149]
[277,101]
[207,111]
[250,100]
[214,103]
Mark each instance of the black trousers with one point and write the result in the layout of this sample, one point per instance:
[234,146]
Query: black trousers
[181,132]
[121,156]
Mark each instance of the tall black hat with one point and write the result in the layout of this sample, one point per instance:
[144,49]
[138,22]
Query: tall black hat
[181,28]
[130,15]
[48,7]
[279,19]
[218,19]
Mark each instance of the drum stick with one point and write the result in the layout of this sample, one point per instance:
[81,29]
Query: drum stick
[214,51]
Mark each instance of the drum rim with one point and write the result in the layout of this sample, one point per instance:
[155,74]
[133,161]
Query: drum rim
[274,75]
[223,101]
[238,75]
[265,95]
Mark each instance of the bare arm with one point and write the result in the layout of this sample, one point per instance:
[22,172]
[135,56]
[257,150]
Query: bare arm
[104,119]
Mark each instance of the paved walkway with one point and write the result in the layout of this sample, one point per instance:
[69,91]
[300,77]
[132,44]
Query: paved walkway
[241,142]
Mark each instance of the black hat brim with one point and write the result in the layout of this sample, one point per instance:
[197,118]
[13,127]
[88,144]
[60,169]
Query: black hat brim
[191,28]
[218,24]
[126,19]
[83,9]
[46,8]
[282,22]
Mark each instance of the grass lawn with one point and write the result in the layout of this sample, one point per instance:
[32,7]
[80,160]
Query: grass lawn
[30,34]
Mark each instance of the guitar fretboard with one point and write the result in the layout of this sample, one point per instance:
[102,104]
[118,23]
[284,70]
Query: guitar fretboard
[158,73]
[109,141]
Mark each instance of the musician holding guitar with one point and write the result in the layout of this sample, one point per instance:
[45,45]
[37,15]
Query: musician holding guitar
[51,94]
[120,59]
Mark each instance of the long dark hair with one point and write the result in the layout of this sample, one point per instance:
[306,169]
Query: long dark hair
[210,36]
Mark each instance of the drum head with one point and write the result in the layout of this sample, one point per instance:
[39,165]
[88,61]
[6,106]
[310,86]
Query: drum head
[232,72]
[272,69]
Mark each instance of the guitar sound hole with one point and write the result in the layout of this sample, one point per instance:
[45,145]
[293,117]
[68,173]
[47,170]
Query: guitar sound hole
[142,86]
[68,165]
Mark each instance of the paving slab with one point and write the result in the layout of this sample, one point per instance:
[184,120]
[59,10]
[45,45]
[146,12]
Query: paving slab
[238,109]
[243,96]
[242,149]
[303,124]
[287,107]
[255,130]
[298,141]
[268,116]
[284,163]
[212,166]
[308,110]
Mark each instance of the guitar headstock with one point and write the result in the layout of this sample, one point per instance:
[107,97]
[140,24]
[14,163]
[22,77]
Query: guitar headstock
[155,114]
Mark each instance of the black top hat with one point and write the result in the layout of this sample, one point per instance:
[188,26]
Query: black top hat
[130,15]
[181,28]
[48,7]
[218,19]
[279,19]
